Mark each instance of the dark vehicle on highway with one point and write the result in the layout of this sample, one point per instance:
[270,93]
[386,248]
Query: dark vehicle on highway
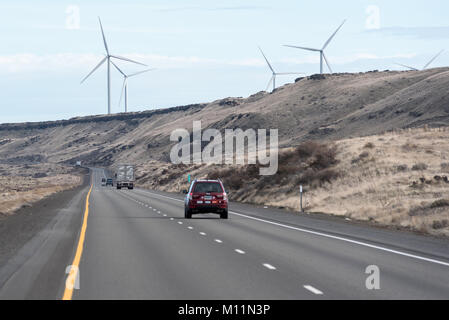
[109,182]
[206,196]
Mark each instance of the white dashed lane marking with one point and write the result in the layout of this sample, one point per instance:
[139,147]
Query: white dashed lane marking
[269,266]
[203,234]
[313,290]
[191,228]
[239,251]
[218,241]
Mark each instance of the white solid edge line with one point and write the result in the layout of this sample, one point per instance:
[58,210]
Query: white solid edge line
[312,289]
[269,266]
[330,236]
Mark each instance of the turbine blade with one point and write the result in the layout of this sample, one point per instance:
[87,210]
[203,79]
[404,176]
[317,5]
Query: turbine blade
[98,66]
[140,72]
[118,68]
[303,48]
[121,95]
[269,65]
[333,35]
[269,83]
[408,67]
[129,60]
[433,59]
[327,63]
[104,38]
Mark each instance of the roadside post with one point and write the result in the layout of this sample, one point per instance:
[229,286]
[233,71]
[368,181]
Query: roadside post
[300,198]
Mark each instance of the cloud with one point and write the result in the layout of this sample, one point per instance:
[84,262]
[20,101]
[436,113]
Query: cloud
[309,59]
[69,62]
[199,8]
[414,32]
[28,62]
[157,31]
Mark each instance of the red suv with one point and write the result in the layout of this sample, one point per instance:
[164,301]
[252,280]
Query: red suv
[206,196]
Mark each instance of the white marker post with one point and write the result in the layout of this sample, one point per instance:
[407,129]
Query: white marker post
[300,197]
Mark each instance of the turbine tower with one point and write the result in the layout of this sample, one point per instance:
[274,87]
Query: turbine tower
[426,66]
[125,84]
[108,59]
[273,77]
[321,51]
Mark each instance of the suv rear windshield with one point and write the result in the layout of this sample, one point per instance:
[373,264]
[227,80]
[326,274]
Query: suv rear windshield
[207,187]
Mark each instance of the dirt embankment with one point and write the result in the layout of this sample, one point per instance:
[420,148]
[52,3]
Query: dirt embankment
[397,179]
[331,107]
[374,174]
[23,185]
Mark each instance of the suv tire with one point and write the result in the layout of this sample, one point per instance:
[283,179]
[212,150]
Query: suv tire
[224,215]
[187,213]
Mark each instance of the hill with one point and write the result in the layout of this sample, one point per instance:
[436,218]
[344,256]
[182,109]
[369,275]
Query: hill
[333,107]
[362,144]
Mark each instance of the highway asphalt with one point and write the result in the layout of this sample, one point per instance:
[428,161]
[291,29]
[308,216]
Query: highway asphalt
[136,244]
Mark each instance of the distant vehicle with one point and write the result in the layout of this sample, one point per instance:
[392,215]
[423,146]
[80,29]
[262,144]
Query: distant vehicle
[125,176]
[206,196]
[103,182]
[109,182]
[78,163]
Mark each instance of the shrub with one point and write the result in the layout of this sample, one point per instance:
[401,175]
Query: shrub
[419,167]
[440,203]
[309,163]
[364,155]
[440,224]
[402,168]
[409,147]
[369,145]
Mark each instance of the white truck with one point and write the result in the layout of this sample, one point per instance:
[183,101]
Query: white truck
[125,176]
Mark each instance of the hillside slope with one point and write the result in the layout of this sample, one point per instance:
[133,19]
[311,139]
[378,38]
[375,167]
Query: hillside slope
[338,106]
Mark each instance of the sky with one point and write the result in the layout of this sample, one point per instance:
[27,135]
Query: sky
[201,50]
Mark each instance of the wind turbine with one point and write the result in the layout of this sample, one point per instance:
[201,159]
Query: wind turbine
[108,59]
[426,66]
[273,77]
[321,51]
[125,84]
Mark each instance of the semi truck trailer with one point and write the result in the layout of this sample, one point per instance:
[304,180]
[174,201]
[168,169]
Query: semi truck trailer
[125,176]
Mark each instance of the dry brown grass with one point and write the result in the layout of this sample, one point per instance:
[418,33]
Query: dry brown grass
[17,190]
[384,178]
[401,175]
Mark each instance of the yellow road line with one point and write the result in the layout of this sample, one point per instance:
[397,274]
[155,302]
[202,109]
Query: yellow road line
[70,282]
